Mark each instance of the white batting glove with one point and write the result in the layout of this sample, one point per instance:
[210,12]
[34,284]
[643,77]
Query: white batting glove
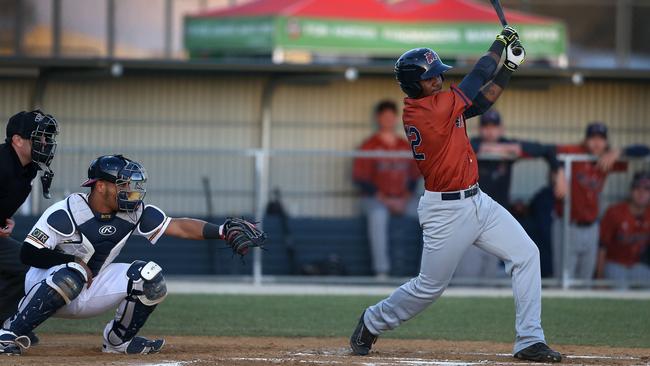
[513,61]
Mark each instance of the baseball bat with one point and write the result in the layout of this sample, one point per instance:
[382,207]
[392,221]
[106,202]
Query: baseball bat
[502,17]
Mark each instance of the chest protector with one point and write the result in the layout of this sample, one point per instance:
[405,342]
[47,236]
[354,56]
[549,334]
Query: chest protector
[102,236]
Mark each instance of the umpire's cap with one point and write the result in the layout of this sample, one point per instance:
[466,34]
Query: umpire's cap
[24,123]
[415,65]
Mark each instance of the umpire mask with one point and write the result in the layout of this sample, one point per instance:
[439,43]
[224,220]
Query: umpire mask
[43,139]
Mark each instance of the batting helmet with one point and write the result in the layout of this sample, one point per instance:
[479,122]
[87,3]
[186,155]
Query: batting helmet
[415,65]
[128,175]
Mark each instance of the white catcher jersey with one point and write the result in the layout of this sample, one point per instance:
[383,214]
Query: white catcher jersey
[70,226]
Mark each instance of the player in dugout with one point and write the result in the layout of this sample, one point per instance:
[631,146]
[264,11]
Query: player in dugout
[387,184]
[625,236]
[587,183]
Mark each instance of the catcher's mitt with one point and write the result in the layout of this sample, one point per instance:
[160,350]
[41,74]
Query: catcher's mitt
[242,235]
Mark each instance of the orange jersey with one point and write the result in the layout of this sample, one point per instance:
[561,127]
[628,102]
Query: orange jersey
[390,176]
[587,182]
[623,235]
[435,126]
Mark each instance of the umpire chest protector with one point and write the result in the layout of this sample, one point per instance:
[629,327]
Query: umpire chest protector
[101,237]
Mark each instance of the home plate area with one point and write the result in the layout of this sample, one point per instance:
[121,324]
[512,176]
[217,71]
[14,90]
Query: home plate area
[70,350]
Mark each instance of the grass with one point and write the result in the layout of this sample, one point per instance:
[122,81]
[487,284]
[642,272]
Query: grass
[601,322]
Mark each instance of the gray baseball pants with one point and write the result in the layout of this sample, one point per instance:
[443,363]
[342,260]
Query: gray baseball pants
[378,217]
[583,249]
[449,228]
[623,275]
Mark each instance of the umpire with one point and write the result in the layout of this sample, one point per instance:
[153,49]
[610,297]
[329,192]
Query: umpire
[29,146]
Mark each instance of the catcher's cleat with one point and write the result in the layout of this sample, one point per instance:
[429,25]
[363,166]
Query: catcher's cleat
[10,344]
[362,340]
[539,352]
[138,345]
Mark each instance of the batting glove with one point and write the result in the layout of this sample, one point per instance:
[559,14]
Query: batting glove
[513,61]
[508,35]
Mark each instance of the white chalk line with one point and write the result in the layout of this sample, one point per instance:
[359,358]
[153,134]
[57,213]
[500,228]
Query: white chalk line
[167,363]
[377,362]
[343,352]
[299,357]
[588,357]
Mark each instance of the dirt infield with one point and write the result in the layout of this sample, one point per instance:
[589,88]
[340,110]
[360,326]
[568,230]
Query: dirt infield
[71,350]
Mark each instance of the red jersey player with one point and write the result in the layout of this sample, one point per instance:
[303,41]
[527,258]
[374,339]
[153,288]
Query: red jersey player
[625,235]
[387,184]
[587,182]
[453,211]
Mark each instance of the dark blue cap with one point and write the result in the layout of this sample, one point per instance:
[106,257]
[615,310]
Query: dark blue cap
[641,180]
[490,117]
[596,129]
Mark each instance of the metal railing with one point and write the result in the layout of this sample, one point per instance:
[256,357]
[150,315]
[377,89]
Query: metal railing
[260,188]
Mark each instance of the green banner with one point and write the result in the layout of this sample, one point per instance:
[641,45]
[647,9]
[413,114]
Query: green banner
[362,38]
[249,35]
[448,39]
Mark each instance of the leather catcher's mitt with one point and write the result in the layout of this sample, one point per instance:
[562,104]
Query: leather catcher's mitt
[242,235]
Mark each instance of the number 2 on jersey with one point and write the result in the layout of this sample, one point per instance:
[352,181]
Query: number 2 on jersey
[414,137]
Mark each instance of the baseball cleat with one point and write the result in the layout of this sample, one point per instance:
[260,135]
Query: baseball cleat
[10,344]
[539,352]
[362,340]
[138,345]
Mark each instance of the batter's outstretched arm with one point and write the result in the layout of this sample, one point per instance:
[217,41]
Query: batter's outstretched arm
[480,74]
[486,65]
[489,93]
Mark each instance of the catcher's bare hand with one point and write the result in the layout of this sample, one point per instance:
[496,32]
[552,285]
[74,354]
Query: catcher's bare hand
[241,235]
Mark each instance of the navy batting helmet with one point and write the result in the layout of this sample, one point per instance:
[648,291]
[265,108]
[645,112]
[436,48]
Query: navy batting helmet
[128,175]
[415,65]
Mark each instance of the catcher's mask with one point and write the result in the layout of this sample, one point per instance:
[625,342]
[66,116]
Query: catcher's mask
[129,176]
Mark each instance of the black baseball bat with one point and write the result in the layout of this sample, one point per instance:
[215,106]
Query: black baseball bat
[502,17]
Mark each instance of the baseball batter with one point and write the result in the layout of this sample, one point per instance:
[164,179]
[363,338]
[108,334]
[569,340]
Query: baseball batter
[453,212]
[71,251]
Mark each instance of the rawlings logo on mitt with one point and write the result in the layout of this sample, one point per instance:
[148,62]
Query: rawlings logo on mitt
[242,235]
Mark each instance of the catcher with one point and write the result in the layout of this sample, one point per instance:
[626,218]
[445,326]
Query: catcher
[71,251]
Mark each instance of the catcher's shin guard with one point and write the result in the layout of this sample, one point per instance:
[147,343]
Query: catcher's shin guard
[46,297]
[146,289]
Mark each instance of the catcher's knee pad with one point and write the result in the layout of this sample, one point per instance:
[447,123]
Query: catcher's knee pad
[146,283]
[46,297]
[146,289]
[68,281]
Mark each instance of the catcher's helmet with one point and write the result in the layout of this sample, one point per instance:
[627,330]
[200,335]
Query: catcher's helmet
[415,65]
[128,175]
